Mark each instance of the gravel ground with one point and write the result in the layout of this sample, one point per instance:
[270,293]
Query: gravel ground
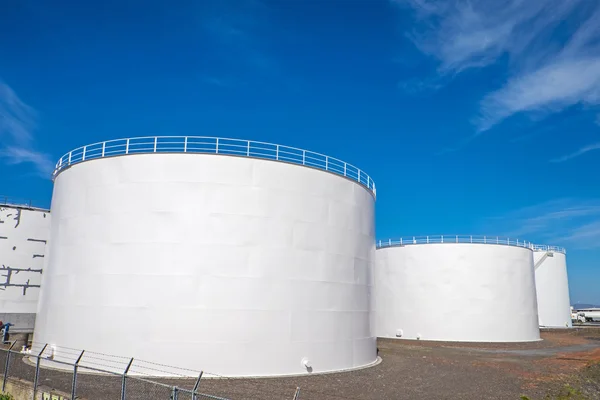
[409,370]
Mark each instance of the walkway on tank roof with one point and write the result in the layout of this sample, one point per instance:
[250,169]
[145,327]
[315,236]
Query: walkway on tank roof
[467,239]
[214,145]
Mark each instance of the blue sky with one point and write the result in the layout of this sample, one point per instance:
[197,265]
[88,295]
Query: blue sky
[471,117]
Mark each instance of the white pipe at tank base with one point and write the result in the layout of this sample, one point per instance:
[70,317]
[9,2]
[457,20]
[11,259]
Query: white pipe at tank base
[306,363]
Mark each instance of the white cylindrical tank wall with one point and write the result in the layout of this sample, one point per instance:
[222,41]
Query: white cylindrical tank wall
[236,266]
[23,235]
[552,287]
[455,292]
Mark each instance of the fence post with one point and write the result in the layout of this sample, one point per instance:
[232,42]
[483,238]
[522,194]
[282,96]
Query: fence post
[36,378]
[194,394]
[123,382]
[297,394]
[175,393]
[74,385]
[7,365]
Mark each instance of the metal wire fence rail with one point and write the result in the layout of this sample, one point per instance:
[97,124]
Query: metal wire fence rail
[72,374]
[214,145]
[405,241]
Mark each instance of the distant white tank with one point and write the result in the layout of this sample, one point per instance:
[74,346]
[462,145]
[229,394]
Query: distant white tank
[455,289]
[253,260]
[552,287]
[24,231]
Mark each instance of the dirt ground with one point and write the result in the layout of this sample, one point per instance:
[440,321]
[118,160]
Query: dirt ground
[409,370]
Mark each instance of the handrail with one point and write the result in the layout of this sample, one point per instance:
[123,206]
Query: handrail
[467,239]
[213,145]
[19,203]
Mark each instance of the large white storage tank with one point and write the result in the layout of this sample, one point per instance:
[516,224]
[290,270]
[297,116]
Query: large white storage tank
[454,288]
[238,258]
[552,287]
[24,231]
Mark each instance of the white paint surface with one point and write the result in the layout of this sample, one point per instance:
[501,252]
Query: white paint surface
[552,286]
[456,292]
[23,236]
[235,266]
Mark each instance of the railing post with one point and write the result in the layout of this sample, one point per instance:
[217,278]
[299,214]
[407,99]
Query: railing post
[217,146]
[36,378]
[194,394]
[497,240]
[103,148]
[277,152]
[124,380]
[83,154]
[345,165]
[456,238]
[359,175]
[442,238]
[155,143]
[389,242]
[248,149]
[74,383]
[185,144]
[427,239]
[303,157]
[484,240]
[326,163]
[400,241]
[471,238]
[127,147]
[70,153]
[414,240]
[7,365]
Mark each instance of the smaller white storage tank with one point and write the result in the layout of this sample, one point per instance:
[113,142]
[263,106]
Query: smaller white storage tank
[552,287]
[454,288]
[24,231]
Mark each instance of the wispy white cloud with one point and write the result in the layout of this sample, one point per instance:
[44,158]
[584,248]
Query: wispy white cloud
[583,150]
[17,124]
[551,50]
[566,222]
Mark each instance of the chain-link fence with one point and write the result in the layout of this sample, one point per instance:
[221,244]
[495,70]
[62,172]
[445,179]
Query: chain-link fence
[72,374]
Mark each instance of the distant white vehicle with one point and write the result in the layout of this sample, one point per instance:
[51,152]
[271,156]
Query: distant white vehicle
[587,315]
[577,316]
